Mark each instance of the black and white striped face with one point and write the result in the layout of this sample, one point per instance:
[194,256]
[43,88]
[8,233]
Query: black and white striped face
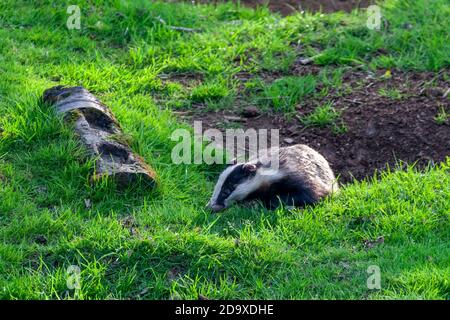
[234,184]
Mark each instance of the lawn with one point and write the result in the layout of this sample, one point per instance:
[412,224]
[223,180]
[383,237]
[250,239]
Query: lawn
[163,244]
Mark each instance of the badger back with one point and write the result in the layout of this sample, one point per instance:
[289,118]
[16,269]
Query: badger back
[310,167]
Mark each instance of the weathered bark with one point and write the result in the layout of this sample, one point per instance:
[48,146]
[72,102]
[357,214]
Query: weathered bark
[100,133]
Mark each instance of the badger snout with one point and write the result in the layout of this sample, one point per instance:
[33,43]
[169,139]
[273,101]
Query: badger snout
[216,207]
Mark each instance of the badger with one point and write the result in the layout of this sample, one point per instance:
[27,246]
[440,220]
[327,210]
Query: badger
[294,176]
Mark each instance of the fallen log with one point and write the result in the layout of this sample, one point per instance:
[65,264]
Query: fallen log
[100,132]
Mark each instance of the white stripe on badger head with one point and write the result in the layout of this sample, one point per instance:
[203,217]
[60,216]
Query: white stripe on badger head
[262,177]
[223,176]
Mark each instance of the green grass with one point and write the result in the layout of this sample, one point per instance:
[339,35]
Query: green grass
[322,116]
[442,116]
[214,91]
[163,244]
[284,93]
[394,94]
[414,36]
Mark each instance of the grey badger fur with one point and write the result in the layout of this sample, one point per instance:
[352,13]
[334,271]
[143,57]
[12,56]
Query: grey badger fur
[295,175]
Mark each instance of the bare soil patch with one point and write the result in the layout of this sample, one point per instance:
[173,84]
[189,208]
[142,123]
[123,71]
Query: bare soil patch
[381,129]
[292,6]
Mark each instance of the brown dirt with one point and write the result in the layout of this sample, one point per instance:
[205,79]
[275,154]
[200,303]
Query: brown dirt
[292,6]
[380,130]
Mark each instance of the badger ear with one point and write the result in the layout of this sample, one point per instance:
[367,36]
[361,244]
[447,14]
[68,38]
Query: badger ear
[250,167]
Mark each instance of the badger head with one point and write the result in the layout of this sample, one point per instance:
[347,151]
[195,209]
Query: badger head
[239,181]
[234,184]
